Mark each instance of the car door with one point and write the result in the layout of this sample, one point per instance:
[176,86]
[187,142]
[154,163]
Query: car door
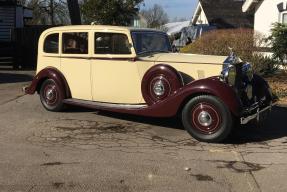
[115,76]
[75,63]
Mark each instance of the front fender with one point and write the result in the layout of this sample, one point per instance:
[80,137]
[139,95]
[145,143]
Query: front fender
[211,86]
[48,73]
[214,86]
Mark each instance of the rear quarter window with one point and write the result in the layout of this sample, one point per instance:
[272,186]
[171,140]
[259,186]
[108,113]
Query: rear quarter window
[51,44]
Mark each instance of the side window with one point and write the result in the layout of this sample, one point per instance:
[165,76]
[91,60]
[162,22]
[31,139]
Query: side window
[75,43]
[112,43]
[51,44]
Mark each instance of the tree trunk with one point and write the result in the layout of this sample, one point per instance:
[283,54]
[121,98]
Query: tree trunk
[74,10]
[52,12]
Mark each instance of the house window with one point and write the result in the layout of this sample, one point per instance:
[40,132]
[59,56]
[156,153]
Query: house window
[284,18]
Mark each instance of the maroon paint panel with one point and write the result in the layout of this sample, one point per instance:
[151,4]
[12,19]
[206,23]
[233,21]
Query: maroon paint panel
[212,86]
[167,72]
[49,73]
[170,107]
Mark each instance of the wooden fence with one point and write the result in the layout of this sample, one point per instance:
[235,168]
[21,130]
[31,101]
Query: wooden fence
[26,46]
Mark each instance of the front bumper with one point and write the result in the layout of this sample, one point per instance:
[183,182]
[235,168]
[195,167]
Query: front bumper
[258,112]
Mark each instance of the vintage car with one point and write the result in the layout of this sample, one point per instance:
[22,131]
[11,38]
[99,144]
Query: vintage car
[133,71]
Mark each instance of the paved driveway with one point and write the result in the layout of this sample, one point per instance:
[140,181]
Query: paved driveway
[83,150]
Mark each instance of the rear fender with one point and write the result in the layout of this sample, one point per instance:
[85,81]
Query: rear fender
[49,73]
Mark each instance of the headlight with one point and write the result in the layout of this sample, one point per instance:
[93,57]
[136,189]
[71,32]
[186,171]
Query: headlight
[229,75]
[248,71]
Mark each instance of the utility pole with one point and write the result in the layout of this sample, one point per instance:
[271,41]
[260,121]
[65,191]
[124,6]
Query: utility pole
[74,10]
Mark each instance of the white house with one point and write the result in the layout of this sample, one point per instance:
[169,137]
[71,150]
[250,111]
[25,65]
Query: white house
[266,12]
[222,14]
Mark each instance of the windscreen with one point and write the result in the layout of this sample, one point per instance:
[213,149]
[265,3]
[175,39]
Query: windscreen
[150,42]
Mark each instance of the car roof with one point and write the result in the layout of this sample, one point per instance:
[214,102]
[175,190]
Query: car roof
[100,27]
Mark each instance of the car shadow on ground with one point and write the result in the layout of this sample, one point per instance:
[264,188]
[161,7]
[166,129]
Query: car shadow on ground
[173,122]
[14,78]
[274,127]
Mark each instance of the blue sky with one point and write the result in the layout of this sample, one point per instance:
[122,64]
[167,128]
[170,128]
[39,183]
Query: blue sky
[175,8]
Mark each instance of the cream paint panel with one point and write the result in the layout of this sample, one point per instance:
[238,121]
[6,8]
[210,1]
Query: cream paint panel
[190,58]
[99,78]
[115,78]
[48,61]
[197,71]
[196,66]
[145,63]
[116,81]
[77,71]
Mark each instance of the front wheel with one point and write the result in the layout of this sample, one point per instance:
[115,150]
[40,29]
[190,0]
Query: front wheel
[51,96]
[207,119]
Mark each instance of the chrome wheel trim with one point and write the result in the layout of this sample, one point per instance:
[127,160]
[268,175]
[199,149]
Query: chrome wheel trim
[205,119]
[158,88]
[50,94]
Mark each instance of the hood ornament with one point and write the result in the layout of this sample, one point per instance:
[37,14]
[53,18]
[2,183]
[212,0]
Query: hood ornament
[233,58]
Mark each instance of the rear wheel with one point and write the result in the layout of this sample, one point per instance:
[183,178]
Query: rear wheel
[51,96]
[207,119]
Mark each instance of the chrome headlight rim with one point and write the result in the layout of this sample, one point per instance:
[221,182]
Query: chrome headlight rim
[248,71]
[229,75]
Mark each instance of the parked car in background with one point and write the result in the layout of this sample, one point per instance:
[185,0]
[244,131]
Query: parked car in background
[133,71]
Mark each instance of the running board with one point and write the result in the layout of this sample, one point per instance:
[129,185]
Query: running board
[100,105]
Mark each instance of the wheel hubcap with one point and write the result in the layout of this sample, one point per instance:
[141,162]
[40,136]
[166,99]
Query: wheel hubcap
[158,88]
[205,118]
[50,94]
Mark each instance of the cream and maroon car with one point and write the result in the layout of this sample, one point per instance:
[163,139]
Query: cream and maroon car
[134,71]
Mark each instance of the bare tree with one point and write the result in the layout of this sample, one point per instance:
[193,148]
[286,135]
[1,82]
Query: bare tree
[156,17]
[46,12]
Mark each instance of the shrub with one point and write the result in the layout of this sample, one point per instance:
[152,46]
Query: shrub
[263,65]
[242,41]
[278,42]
